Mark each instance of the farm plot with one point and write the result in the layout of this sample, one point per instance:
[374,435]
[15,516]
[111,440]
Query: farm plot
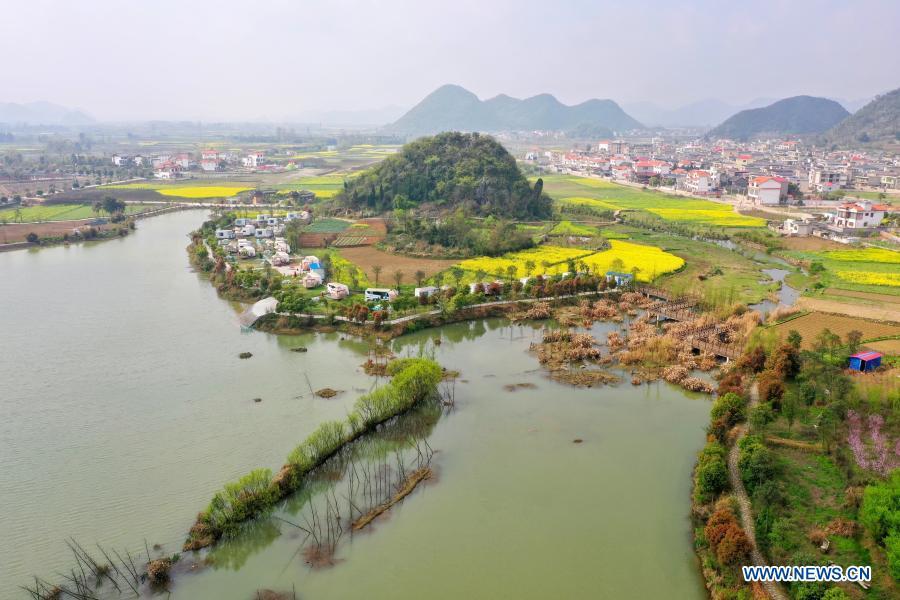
[812,324]
[368,257]
[323,187]
[569,228]
[605,195]
[196,191]
[647,262]
[60,212]
[327,226]
[861,269]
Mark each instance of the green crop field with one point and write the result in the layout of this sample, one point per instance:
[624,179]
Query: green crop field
[859,269]
[326,226]
[604,195]
[60,212]
[569,228]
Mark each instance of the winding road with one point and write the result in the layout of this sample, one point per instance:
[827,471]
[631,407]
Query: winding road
[773,589]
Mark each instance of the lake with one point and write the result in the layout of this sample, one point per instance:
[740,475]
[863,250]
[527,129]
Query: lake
[126,407]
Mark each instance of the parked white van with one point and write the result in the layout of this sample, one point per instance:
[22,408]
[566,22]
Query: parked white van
[380,294]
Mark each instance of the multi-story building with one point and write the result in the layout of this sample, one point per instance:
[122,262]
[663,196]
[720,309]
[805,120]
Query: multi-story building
[767,190]
[861,214]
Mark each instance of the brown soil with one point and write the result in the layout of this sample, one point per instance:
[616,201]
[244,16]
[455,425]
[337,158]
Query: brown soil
[863,295]
[810,244]
[885,312]
[327,393]
[885,346]
[404,490]
[366,257]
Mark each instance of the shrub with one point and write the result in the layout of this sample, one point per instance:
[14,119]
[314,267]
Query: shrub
[835,594]
[240,500]
[757,463]
[754,361]
[785,361]
[413,380]
[771,387]
[734,546]
[761,416]
[730,407]
[321,443]
[733,382]
[712,472]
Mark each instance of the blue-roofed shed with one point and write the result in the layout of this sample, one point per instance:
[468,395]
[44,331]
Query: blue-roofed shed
[865,361]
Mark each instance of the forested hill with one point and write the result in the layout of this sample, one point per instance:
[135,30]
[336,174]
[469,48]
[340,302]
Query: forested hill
[797,115]
[451,107]
[447,171]
[878,122]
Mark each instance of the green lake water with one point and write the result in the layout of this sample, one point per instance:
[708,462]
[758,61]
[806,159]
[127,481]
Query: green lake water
[125,407]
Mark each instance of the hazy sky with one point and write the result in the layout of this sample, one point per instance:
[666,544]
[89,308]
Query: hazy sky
[237,59]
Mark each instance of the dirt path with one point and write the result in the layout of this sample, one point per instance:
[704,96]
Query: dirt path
[734,475]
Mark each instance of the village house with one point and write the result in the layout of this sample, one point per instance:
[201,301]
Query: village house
[253,160]
[699,182]
[823,179]
[767,191]
[167,171]
[861,214]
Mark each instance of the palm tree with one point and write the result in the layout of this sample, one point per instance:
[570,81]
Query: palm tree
[376,270]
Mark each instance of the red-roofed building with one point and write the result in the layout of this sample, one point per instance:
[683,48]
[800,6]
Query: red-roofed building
[767,190]
[699,182]
[861,214]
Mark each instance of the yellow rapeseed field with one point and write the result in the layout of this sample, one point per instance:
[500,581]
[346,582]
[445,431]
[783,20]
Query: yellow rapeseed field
[626,256]
[876,255]
[650,261]
[547,260]
[203,191]
[870,277]
[722,218]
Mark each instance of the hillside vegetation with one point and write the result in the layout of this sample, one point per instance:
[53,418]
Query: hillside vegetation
[797,115]
[446,172]
[453,108]
[878,122]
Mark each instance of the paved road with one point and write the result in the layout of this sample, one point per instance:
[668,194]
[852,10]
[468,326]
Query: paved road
[773,589]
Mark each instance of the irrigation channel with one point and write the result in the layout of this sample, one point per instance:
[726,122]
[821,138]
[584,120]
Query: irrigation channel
[126,407]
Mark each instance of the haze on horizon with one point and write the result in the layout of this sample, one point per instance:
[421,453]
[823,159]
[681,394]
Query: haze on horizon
[278,60]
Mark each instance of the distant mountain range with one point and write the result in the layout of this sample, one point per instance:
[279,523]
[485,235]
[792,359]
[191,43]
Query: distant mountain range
[453,108]
[702,113]
[41,113]
[797,115]
[878,122]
